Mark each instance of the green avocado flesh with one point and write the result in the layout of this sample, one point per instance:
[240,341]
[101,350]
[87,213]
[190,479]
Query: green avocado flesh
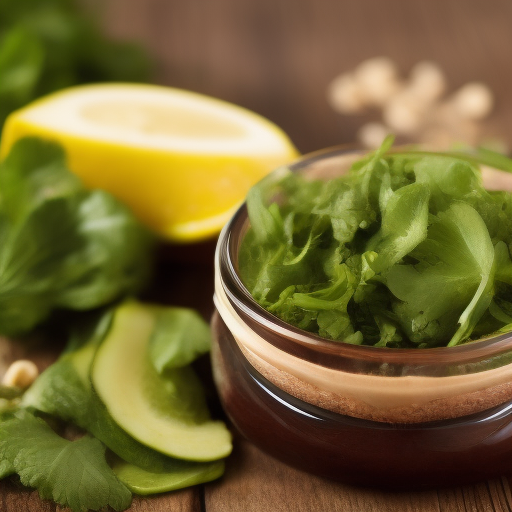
[142,481]
[64,390]
[167,411]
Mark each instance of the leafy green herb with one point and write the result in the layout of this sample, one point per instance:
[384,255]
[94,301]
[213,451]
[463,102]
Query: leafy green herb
[21,63]
[61,246]
[6,468]
[403,227]
[64,391]
[406,250]
[452,281]
[72,473]
[180,336]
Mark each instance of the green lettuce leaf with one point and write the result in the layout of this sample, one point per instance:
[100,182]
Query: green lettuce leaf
[180,336]
[448,179]
[403,227]
[451,284]
[61,246]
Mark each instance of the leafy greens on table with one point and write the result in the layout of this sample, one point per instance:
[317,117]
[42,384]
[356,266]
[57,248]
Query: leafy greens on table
[72,473]
[61,246]
[408,249]
[80,474]
[65,247]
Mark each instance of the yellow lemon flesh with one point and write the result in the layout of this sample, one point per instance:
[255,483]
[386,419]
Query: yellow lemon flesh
[182,161]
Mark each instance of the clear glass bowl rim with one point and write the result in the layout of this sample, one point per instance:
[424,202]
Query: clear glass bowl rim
[242,301]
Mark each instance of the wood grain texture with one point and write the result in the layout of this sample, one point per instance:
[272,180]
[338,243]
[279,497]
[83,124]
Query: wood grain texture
[255,482]
[187,500]
[14,497]
[492,496]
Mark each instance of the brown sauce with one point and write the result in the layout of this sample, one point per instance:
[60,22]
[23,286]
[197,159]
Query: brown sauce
[352,450]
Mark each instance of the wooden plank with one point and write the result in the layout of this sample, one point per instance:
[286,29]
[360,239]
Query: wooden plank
[491,496]
[16,498]
[474,498]
[187,500]
[499,490]
[256,482]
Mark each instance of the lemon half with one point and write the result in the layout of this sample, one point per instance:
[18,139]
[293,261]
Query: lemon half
[182,161]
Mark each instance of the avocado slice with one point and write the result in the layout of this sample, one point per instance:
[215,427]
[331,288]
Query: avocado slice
[144,482]
[166,411]
[64,390]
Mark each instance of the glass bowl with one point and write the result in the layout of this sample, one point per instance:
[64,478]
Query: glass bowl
[396,418]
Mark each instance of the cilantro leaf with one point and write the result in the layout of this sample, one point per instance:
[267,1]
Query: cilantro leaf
[6,468]
[61,246]
[347,206]
[330,304]
[71,473]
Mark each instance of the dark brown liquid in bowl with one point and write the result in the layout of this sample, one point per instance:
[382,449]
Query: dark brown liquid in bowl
[352,450]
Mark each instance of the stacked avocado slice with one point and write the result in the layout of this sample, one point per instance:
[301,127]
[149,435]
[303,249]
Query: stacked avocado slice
[127,380]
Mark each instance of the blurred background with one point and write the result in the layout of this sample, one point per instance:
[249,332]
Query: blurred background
[279,57]
[296,62]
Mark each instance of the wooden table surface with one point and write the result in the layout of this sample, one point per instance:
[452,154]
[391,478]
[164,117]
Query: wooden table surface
[277,57]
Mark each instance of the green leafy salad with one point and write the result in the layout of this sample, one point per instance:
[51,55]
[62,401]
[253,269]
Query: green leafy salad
[124,387]
[407,249]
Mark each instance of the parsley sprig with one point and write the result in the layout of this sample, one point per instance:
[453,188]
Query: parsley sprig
[71,473]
